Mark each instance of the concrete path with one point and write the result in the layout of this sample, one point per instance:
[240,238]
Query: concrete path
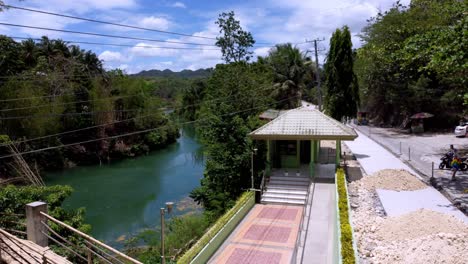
[317,242]
[374,157]
[267,235]
[321,226]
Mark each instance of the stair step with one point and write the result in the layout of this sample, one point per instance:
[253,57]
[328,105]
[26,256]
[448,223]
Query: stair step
[282,187]
[290,178]
[283,191]
[284,196]
[282,201]
[294,183]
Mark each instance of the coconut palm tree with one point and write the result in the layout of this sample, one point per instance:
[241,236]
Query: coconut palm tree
[289,68]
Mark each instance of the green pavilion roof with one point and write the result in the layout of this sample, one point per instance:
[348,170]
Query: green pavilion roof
[304,123]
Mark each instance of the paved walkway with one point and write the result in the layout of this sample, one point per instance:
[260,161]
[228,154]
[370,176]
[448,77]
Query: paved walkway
[426,148]
[267,235]
[374,157]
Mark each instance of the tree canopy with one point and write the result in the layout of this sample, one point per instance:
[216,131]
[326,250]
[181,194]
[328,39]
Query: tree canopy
[234,42]
[414,60]
[342,92]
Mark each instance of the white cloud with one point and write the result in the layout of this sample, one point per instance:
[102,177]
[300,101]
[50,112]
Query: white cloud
[261,51]
[112,56]
[179,5]
[151,50]
[160,23]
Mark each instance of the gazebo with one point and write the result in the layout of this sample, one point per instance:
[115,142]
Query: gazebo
[293,138]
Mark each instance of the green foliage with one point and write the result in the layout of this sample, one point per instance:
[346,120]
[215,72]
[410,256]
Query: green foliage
[192,98]
[288,64]
[52,87]
[347,250]
[180,233]
[225,129]
[13,200]
[413,60]
[215,228]
[342,92]
[234,42]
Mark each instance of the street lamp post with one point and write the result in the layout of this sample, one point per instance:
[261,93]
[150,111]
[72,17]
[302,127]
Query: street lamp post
[252,166]
[169,206]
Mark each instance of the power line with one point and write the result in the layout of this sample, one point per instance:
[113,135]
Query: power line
[41,97]
[121,121]
[106,22]
[135,132]
[67,103]
[122,25]
[105,35]
[122,45]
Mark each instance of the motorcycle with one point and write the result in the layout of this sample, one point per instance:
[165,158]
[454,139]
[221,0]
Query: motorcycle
[447,159]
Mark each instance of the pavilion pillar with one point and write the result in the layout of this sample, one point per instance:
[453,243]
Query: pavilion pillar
[268,165]
[338,152]
[298,153]
[312,159]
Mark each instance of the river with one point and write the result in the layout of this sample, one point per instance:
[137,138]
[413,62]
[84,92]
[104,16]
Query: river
[124,197]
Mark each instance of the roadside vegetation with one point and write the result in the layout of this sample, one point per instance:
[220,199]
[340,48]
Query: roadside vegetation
[346,234]
[414,60]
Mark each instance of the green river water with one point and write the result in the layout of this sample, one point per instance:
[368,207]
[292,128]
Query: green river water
[124,197]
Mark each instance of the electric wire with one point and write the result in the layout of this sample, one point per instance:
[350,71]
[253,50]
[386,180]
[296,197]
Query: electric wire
[69,103]
[106,22]
[136,132]
[120,121]
[121,45]
[105,35]
[123,25]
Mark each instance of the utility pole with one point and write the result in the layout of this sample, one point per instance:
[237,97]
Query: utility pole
[317,74]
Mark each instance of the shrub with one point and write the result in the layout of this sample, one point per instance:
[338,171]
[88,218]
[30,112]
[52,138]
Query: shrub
[347,250]
[217,226]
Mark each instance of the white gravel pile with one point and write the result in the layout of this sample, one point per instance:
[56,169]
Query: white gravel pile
[422,236]
[396,180]
[439,248]
[418,224]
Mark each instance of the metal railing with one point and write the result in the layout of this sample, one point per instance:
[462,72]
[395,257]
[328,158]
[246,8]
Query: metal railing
[301,225]
[92,247]
[263,184]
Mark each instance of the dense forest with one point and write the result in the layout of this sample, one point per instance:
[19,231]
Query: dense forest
[415,60]
[58,98]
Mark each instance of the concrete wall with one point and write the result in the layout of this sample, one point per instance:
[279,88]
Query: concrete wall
[208,251]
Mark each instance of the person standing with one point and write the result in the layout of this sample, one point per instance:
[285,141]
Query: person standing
[455,164]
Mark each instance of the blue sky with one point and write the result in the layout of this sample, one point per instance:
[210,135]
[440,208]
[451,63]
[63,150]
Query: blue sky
[270,21]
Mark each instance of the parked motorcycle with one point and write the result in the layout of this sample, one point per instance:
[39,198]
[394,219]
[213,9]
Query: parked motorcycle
[447,159]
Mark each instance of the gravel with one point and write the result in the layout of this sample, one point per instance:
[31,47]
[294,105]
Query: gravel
[422,236]
[397,180]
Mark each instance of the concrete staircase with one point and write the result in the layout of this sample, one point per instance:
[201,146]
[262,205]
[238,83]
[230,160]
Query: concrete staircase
[282,189]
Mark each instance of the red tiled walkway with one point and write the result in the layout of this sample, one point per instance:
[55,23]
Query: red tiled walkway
[267,235]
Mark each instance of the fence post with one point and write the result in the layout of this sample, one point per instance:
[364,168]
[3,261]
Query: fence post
[432,171]
[409,153]
[400,149]
[34,228]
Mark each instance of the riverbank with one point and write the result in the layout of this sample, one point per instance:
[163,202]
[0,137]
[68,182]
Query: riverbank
[124,197]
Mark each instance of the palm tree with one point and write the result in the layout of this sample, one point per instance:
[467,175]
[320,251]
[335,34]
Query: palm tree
[29,52]
[288,64]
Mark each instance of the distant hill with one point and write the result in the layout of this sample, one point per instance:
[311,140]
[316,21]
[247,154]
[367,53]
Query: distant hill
[200,73]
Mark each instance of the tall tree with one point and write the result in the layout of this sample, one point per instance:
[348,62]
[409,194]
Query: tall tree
[342,92]
[234,42]
[288,64]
